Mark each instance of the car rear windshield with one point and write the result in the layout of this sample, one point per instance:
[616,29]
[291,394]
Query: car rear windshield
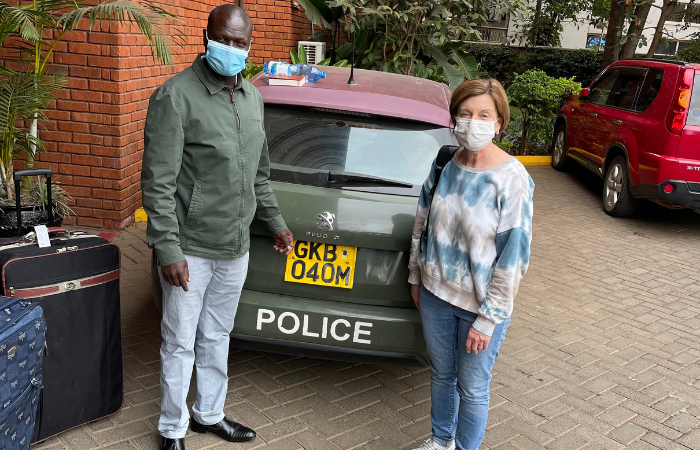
[694,110]
[307,144]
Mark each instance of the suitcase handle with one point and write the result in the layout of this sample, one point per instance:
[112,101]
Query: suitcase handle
[18,175]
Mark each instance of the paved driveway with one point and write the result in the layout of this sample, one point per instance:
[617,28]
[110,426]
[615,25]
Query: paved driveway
[602,352]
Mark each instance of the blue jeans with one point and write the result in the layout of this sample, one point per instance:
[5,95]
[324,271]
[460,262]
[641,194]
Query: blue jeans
[459,381]
[195,329]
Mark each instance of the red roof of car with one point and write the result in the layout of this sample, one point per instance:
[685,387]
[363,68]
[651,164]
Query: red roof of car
[653,63]
[374,92]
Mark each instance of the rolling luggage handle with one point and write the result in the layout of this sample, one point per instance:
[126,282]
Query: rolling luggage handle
[18,175]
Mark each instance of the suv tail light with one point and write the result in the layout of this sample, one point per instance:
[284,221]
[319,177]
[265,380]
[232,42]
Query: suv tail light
[681,99]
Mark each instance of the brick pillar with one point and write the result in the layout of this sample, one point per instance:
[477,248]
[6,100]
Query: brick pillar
[95,140]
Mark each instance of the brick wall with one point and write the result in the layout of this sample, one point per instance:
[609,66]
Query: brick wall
[95,138]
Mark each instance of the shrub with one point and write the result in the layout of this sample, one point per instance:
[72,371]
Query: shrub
[691,53]
[538,97]
[503,62]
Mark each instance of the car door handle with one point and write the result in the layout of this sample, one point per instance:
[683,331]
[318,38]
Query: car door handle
[594,114]
[617,122]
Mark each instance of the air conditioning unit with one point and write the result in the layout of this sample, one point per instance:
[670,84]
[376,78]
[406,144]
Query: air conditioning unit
[315,51]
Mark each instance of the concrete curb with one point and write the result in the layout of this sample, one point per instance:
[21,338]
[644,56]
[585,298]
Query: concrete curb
[535,160]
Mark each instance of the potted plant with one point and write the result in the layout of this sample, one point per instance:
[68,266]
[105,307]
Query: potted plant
[38,27]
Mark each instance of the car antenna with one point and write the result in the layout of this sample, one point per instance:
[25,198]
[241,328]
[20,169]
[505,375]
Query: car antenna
[352,65]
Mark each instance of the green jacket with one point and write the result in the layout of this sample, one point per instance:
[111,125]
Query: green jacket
[205,168]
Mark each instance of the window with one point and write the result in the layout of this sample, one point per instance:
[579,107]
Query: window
[627,85]
[650,88]
[694,110]
[666,48]
[600,91]
[595,41]
[305,144]
[684,12]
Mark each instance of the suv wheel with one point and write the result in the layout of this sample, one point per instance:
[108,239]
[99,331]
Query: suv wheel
[559,161]
[617,199]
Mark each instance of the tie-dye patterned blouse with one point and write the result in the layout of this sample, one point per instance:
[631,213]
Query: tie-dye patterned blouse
[478,245]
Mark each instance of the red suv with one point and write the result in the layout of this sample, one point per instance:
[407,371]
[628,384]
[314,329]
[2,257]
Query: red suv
[638,127]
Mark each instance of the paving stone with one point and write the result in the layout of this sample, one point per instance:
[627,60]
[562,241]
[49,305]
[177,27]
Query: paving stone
[603,346]
[617,416]
[320,424]
[627,433]
[281,429]
[691,439]
[354,438]
[247,415]
[683,422]
[79,439]
[670,405]
[568,442]
[559,425]
[308,440]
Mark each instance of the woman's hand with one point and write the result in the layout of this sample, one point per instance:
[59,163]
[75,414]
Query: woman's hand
[477,341]
[415,293]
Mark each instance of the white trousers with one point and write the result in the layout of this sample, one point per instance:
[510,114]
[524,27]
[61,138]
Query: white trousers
[195,329]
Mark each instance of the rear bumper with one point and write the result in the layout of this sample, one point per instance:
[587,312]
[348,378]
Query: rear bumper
[326,329]
[682,193]
[305,327]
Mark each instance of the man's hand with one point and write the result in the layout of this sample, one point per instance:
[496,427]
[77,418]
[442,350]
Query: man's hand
[415,293]
[477,341]
[284,242]
[177,274]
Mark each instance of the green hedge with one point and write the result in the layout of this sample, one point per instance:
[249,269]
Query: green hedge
[503,62]
[691,53]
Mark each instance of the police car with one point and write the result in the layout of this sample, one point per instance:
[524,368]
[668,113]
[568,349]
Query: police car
[347,166]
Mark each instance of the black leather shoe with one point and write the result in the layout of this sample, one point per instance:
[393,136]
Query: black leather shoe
[227,429]
[172,444]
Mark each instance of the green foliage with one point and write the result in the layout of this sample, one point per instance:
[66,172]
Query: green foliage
[503,62]
[38,196]
[59,197]
[691,53]
[23,97]
[21,20]
[394,35]
[544,27]
[420,38]
[40,26]
[151,20]
[538,97]
[464,68]
[301,58]
[251,70]
[331,15]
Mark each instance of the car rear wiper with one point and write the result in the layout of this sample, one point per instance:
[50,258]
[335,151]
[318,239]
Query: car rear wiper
[338,176]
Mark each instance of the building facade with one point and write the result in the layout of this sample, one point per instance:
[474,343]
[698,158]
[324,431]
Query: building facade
[579,34]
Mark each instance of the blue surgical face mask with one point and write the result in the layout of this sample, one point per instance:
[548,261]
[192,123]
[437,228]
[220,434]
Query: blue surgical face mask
[225,60]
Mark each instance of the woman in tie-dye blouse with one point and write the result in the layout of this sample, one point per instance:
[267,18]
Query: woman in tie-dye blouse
[465,276]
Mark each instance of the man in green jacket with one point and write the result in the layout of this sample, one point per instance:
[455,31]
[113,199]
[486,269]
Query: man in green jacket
[205,176]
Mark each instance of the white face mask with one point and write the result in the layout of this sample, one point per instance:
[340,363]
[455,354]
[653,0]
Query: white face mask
[475,135]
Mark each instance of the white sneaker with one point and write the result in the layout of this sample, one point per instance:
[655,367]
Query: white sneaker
[430,444]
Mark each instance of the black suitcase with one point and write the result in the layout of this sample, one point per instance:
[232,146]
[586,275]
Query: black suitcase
[76,282]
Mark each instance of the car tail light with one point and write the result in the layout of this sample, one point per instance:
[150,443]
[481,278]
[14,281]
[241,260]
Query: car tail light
[681,100]
[669,188]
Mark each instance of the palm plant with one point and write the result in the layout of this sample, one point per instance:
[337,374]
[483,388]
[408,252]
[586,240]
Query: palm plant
[23,97]
[39,26]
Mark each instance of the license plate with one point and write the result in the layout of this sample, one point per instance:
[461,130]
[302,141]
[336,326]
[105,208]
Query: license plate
[321,264]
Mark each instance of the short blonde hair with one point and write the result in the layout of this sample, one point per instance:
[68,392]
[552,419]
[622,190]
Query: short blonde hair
[481,86]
